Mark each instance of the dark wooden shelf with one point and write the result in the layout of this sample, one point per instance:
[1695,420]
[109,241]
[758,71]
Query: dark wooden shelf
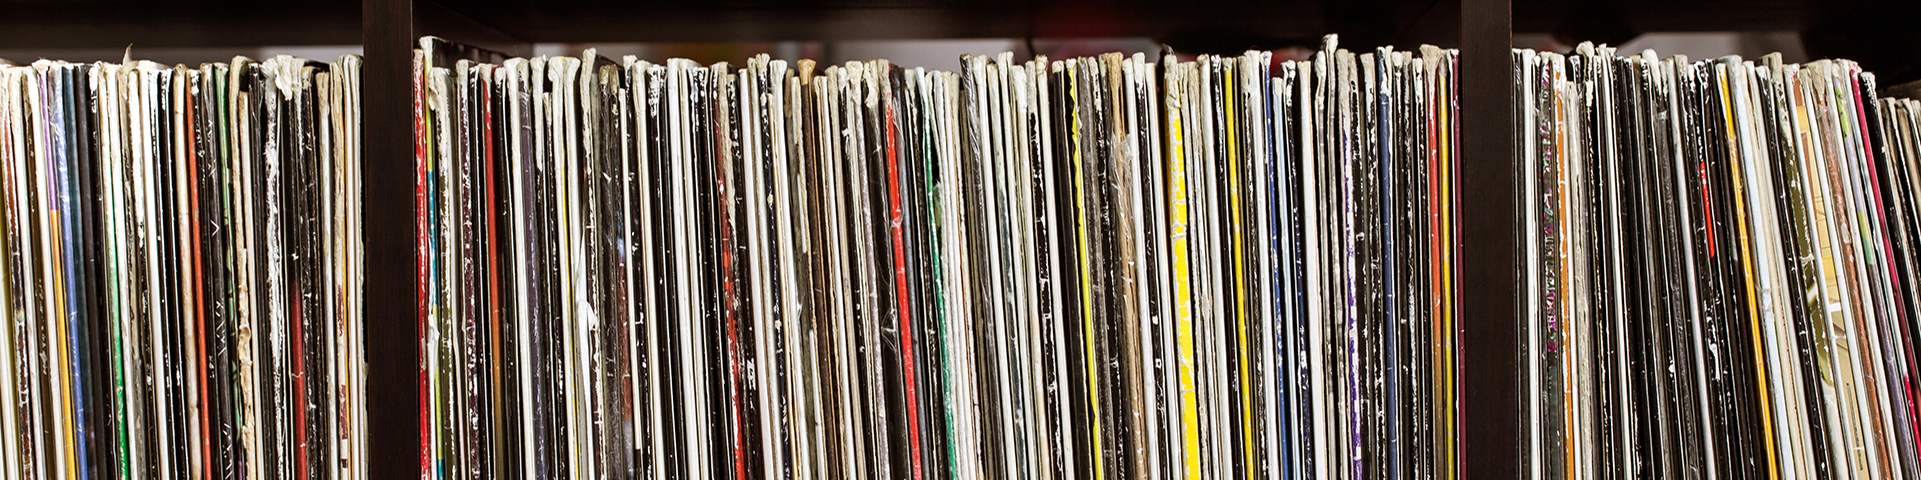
[1491,447]
[1362,24]
[227,23]
[36,24]
[1880,34]
[1709,15]
[729,21]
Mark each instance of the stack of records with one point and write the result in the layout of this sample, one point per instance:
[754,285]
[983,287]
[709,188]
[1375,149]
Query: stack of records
[1720,265]
[1087,268]
[181,270]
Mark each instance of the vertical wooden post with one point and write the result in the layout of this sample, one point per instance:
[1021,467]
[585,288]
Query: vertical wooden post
[1490,253]
[387,197]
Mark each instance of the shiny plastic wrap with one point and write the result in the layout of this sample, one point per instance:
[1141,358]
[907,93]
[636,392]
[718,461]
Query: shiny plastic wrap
[1720,280]
[167,291]
[1097,267]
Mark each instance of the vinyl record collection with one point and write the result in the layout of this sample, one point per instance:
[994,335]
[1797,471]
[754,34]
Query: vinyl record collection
[1218,267]
[181,270]
[1720,268]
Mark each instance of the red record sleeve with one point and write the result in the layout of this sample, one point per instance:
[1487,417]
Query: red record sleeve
[422,259]
[900,280]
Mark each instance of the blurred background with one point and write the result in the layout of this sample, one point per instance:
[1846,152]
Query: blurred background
[1881,34]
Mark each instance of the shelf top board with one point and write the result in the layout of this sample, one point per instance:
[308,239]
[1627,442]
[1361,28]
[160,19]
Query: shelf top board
[588,21]
[50,24]
[1541,16]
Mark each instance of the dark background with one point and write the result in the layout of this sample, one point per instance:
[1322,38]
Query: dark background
[1880,34]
